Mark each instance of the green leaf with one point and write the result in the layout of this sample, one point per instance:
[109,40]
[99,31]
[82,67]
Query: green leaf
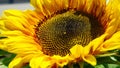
[2,52]
[117,57]
[99,66]
[86,65]
[107,60]
[8,59]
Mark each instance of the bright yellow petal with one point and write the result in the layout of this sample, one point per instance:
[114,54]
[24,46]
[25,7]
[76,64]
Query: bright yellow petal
[46,6]
[93,46]
[112,16]
[16,63]
[32,17]
[2,26]
[112,27]
[22,21]
[11,33]
[90,59]
[41,62]
[13,12]
[21,59]
[19,44]
[13,23]
[61,61]
[28,14]
[112,43]
[76,51]
[33,13]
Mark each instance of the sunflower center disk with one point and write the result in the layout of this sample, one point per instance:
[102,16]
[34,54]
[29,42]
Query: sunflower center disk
[58,34]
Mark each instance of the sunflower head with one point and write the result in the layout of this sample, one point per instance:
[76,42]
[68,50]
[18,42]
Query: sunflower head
[60,32]
[66,29]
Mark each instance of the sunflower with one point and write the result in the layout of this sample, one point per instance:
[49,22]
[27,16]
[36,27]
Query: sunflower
[60,32]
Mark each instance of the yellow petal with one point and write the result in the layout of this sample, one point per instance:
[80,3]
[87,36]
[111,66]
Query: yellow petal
[11,33]
[41,62]
[88,6]
[46,6]
[76,50]
[13,12]
[79,4]
[21,59]
[32,17]
[25,16]
[112,27]
[112,43]
[61,61]
[2,26]
[19,44]
[21,20]
[94,45]
[90,59]
[112,17]
[16,63]
[14,23]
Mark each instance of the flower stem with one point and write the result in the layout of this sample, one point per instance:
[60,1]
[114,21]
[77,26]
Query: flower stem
[81,64]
